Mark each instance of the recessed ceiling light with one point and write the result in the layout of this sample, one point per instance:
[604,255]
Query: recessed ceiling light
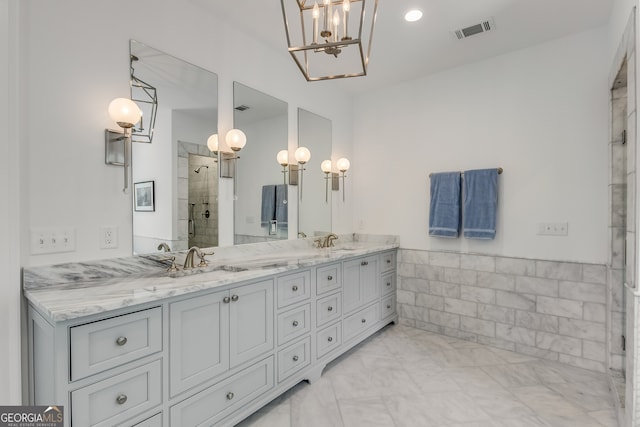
[413,15]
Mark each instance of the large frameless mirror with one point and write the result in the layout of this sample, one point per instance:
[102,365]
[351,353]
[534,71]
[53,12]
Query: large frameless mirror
[175,177]
[261,202]
[314,216]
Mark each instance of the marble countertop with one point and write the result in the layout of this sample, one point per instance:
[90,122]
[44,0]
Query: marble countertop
[72,290]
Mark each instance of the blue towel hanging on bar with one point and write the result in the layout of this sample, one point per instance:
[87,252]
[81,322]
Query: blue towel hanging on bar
[480,206]
[444,210]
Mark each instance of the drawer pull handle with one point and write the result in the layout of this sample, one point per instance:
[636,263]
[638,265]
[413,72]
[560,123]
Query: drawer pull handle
[388,283]
[330,339]
[121,341]
[364,320]
[329,278]
[388,306]
[364,263]
[388,261]
[295,323]
[230,395]
[295,358]
[226,300]
[234,298]
[330,308]
[121,399]
[294,288]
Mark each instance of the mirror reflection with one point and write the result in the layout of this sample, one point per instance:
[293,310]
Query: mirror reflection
[183,170]
[314,216]
[261,204]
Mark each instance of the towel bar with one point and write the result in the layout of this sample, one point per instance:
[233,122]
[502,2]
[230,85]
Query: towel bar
[462,173]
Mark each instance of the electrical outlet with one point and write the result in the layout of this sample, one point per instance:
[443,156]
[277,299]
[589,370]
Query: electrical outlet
[108,237]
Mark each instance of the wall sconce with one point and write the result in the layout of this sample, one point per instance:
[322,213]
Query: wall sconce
[236,140]
[343,165]
[302,155]
[326,168]
[283,160]
[126,114]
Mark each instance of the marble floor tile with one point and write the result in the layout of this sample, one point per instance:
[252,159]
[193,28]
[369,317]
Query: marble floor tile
[406,377]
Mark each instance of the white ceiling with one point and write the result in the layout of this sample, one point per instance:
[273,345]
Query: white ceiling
[404,51]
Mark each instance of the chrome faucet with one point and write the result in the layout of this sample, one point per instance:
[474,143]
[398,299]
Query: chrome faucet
[164,246]
[188,261]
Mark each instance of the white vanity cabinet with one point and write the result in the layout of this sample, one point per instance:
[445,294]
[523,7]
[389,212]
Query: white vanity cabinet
[213,356]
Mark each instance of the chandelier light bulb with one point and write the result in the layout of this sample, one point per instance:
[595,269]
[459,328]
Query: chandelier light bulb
[302,155]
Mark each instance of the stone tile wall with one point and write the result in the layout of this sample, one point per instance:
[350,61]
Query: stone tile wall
[554,310]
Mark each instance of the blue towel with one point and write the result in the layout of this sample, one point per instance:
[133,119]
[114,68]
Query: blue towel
[282,211]
[480,205]
[444,211]
[268,210]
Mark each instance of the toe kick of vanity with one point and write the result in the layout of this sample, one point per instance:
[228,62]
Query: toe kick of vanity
[212,356]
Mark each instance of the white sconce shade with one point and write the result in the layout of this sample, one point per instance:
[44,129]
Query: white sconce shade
[343,164]
[326,166]
[283,157]
[212,143]
[236,139]
[124,112]
[303,155]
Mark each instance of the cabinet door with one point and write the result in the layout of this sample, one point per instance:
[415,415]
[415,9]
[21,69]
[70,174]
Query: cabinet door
[199,344]
[251,321]
[351,292]
[369,279]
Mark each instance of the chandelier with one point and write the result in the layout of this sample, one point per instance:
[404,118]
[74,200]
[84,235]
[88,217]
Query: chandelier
[331,39]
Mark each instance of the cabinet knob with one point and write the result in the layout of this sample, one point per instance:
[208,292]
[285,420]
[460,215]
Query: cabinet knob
[234,298]
[388,261]
[295,358]
[295,323]
[230,395]
[388,283]
[330,339]
[226,300]
[364,263]
[364,320]
[388,306]
[121,341]
[329,278]
[294,288]
[330,308]
[121,399]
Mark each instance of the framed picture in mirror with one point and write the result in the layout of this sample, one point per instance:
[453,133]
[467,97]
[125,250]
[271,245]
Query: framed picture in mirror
[143,196]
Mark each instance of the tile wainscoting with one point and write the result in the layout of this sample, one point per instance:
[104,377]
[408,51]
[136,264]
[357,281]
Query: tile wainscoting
[554,310]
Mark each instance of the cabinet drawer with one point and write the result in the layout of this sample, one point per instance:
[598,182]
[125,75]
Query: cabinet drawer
[388,306]
[328,309]
[328,339]
[294,323]
[155,421]
[293,358]
[294,288]
[102,345]
[387,261]
[214,403]
[328,279]
[123,396]
[388,282]
[361,321]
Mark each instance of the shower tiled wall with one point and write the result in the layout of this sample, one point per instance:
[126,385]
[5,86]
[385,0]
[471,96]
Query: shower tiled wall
[554,310]
[202,225]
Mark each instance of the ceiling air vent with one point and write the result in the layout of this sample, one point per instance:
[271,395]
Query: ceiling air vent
[242,107]
[472,30]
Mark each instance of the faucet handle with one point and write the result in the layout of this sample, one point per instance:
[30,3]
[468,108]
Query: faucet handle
[173,268]
[201,255]
[318,243]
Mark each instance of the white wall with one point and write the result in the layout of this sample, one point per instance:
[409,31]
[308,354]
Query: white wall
[540,113]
